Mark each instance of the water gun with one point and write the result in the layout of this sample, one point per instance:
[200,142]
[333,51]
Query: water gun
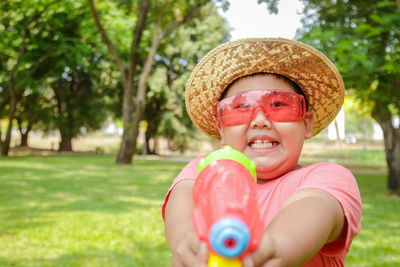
[226,213]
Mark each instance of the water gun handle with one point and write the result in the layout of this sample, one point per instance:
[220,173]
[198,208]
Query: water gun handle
[217,261]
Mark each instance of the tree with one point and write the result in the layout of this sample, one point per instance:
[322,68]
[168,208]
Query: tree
[54,72]
[128,71]
[71,87]
[177,56]
[18,21]
[29,113]
[163,18]
[362,38]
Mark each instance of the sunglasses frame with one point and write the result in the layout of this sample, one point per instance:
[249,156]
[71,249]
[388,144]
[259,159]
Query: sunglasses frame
[256,97]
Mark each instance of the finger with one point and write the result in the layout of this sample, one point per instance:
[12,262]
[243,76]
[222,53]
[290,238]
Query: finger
[191,252]
[185,255]
[248,262]
[265,252]
[203,253]
[272,263]
[194,243]
[176,262]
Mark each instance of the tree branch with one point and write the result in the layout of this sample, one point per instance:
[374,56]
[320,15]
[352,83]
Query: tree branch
[187,18]
[42,59]
[106,39]
[137,34]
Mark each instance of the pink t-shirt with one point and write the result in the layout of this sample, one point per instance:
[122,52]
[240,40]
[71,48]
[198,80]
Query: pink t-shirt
[329,177]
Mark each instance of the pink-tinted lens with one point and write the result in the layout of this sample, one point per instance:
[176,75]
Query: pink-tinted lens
[279,106]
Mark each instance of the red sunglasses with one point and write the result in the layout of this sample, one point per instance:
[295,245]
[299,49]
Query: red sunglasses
[279,106]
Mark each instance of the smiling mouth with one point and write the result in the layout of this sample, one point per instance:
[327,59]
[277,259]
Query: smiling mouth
[263,144]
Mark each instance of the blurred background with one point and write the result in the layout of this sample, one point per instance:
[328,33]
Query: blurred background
[97,88]
[109,76]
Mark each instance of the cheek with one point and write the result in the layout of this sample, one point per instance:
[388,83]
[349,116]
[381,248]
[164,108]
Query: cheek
[234,136]
[292,134]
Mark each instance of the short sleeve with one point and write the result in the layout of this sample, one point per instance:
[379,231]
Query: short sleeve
[189,172]
[341,184]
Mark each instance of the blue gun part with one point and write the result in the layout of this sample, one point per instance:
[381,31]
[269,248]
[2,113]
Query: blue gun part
[229,237]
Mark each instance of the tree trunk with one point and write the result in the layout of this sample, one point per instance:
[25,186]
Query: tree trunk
[142,86]
[24,139]
[1,136]
[155,145]
[150,148]
[159,34]
[128,143]
[392,146]
[24,133]
[125,152]
[131,121]
[392,152]
[5,145]
[145,147]
[65,144]
[394,166]
[338,139]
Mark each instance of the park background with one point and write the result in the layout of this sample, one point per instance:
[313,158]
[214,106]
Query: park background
[93,126]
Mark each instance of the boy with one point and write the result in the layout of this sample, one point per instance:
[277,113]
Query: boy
[263,97]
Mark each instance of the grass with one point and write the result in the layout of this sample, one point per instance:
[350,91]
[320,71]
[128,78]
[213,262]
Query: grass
[378,244]
[354,156]
[83,210]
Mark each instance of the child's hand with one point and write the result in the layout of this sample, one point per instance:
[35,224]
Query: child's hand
[190,252]
[266,254]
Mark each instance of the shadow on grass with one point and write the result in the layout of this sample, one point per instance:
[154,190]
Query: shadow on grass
[4,262]
[379,240]
[139,256]
[31,186]
[147,256]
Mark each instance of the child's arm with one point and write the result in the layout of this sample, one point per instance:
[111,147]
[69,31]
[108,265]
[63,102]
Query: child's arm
[308,220]
[186,249]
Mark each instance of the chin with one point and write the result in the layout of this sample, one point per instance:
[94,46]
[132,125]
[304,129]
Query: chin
[268,173]
[264,175]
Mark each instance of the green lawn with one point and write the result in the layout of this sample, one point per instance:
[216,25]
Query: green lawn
[83,210]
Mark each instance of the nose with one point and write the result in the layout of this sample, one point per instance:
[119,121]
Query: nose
[260,120]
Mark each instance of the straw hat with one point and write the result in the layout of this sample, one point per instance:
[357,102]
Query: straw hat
[310,69]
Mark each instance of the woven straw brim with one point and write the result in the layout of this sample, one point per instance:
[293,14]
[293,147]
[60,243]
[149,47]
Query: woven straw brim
[310,69]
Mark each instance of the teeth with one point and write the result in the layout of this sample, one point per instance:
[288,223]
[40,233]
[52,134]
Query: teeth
[263,144]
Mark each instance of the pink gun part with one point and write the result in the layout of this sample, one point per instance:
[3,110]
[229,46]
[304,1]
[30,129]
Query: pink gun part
[226,213]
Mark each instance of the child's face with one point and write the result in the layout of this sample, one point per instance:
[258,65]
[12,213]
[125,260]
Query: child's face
[274,146]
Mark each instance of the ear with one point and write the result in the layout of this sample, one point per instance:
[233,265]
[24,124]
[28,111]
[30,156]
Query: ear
[308,122]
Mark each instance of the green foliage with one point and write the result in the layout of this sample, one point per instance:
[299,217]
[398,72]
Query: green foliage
[272,5]
[178,54]
[63,77]
[358,122]
[362,38]
[118,19]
